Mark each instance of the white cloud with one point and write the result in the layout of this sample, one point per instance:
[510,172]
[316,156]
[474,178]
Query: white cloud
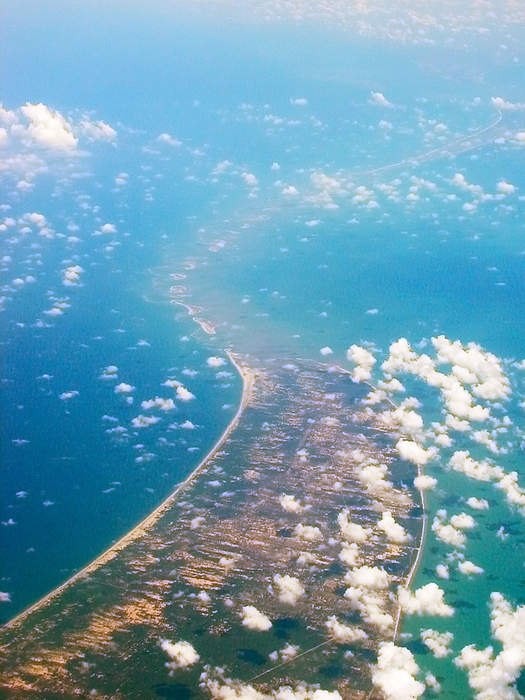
[290,503]
[477,503]
[311,533]
[71,276]
[182,654]
[442,571]
[158,402]
[352,532]
[394,531]
[67,395]
[97,131]
[367,577]
[379,99]
[506,105]
[344,634]
[437,642]
[446,532]
[290,589]
[254,619]
[423,482]
[463,521]
[364,361]
[494,677]
[215,361]
[505,188]
[124,388]
[411,451]
[349,554]
[48,128]
[170,140]
[183,394]
[461,461]
[144,421]
[427,600]
[468,568]
[395,673]
[250,179]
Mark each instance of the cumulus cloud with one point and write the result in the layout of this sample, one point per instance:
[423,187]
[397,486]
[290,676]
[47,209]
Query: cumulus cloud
[373,477]
[311,533]
[349,554]
[97,131]
[412,451]
[227,689]
[287,653]
[250,179]
[437,642]
[169,140]
[71,276]
[447,532]
[493,677]
[344,634]
[183,394]
[394,674]
[506,105]
[364,361]
[290,503]
[442,571]
[48,127]
[371,606]
[505,187]
[461,461]
[468,568]
[367,577]
[423,482]
[67,395]
[378,98]
[477,503]
[254,619]
[290,589]
[215,361]
[182,654]
[394,531]
[427,600]
[124,388]
[352,532]
[144,421]
[158,402]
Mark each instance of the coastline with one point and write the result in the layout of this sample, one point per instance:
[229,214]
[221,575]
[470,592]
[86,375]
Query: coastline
[247,376]
[417,561]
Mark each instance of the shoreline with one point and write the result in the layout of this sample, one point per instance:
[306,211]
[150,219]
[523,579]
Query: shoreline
[247,376]
[417,561]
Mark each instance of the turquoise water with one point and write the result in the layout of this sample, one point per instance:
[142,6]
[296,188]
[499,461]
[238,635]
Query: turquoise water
[278,271]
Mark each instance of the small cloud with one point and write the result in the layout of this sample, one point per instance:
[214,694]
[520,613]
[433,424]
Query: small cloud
[170,140]
[378,98]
